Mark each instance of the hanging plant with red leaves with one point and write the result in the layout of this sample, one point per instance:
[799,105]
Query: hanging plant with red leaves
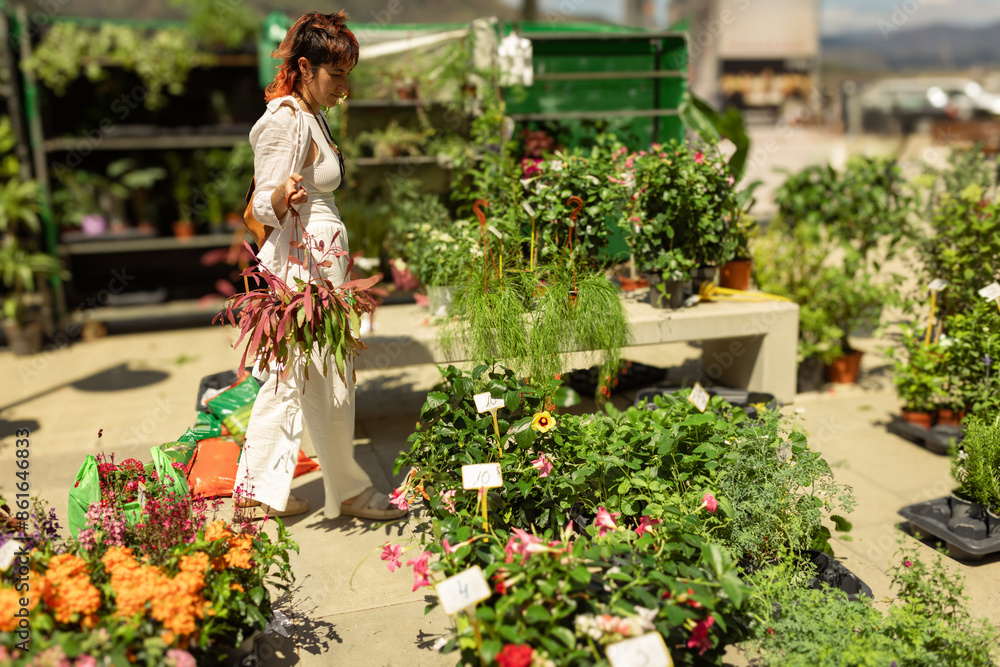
[284,321]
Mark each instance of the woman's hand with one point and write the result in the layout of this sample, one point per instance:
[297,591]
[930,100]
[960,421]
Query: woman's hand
[279,197]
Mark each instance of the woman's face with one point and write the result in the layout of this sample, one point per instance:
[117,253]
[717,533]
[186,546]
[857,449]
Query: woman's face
[329,84]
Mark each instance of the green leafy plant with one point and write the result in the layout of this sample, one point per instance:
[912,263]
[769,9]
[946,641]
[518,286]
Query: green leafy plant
[928,624]
[975,462]
[918,374]
[682,212]
[971,344]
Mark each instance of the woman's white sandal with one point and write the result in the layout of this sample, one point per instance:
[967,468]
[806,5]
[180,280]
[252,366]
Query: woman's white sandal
[370,504]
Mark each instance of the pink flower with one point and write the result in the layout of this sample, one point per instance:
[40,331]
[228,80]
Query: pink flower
[448,500]
[542,465]
[448,549]
[699,158]
[710,503]
[398,498]
[420,570]
[646,525]
[522,543]
[391,554]
[907,563]
[605,521]
[85,660]
[730,181]
[181,658]
[699,636]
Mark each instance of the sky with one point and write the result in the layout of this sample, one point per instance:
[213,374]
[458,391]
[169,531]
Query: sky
[837,16]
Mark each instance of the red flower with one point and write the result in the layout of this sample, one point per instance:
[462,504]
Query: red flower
[500,586]
[699,158]
[710,503]
[699,636]
[515,655]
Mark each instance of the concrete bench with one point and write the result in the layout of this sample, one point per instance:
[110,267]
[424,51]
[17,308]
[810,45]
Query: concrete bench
[746,345]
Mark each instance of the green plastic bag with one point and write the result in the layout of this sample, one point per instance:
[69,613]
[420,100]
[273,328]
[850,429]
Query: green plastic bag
[238,421]
[207,426]
[181,451]
[241,393]
[166,470]
[85,491]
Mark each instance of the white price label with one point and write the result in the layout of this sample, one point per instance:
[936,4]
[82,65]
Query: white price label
[141,495]
[481,476]
[937,285]
[486,402]
[495,232]
[699,397]
[991,292]
[527,209]
[645,651]
[7,553]
[463,590]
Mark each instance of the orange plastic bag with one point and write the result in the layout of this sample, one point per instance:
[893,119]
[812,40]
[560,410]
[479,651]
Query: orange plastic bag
[213,470]
[304,465]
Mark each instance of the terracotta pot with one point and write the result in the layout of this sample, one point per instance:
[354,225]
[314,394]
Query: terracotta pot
[949,417]
[735,274]
[918,417]
[628,284]
[183,229]
[845,369]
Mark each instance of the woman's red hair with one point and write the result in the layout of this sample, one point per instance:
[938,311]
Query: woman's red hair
[321,39]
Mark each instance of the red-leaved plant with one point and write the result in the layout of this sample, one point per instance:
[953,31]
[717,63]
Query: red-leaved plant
[283,320]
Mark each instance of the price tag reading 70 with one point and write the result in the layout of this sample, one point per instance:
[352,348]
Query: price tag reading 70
[481,476]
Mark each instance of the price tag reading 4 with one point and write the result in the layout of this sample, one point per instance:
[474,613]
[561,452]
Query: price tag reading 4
[699,397]
[486,402]
[991,292]
[937,285]
[463,590]
[481,476]
[645,651]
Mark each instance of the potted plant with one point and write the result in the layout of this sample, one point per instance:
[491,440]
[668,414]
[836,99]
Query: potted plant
[735,274]
[682,213]
[180,174]
[975,466]
[918,380]
[135,182]
[21,268]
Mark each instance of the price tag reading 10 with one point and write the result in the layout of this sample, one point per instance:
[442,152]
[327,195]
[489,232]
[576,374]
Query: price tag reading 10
[645,651]
[481,476]
[463,590]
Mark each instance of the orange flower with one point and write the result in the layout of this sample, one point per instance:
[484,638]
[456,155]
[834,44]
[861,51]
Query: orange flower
[236,587]
[239,552]
[9,605]
[68,589]
[217,530]
[167,637]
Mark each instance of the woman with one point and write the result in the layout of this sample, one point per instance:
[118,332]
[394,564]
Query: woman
[296,162]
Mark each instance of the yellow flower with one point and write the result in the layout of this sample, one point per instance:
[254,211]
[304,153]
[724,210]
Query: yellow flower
[543,422]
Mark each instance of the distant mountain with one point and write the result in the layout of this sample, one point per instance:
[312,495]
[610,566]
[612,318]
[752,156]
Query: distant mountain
[931,47]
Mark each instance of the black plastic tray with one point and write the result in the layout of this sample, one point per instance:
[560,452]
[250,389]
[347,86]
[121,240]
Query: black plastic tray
[937,438]
[741,398]
[833,573]
[961,535]
[631,375]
